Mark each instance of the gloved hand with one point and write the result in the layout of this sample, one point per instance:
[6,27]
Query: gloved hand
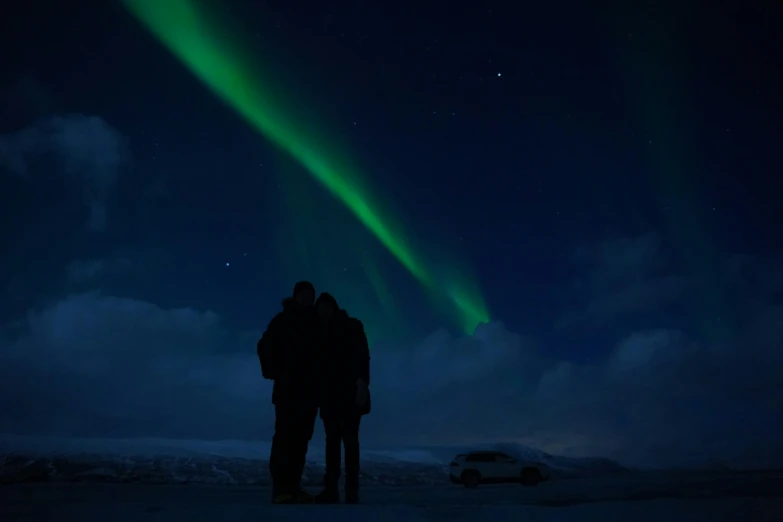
[362,393]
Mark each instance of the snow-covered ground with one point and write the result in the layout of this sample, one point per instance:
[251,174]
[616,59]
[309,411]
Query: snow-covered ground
[126,503]
[118,480]
[163,461]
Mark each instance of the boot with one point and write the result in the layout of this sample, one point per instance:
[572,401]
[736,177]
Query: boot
[329,495]
[298,496]
[351,495]
[303,497]
[282,497]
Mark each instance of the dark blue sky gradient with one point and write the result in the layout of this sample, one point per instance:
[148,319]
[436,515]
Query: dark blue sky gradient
[605,171]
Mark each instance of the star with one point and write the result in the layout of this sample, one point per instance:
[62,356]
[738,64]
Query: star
[228,264]
[498,74]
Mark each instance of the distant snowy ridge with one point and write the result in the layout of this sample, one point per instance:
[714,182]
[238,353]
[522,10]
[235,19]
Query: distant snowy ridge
[17,468]
[167,461]
[49,446]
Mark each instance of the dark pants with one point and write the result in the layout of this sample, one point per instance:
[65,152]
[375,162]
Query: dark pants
[341,428]
[294,425]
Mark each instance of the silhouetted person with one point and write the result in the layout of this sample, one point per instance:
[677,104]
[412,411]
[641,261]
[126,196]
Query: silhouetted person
[288,357]
[344,394]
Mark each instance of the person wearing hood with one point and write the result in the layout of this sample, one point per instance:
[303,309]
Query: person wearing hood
[344,395]
[287,352]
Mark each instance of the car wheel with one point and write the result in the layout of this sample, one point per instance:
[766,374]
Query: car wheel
[531,476]
[470,479]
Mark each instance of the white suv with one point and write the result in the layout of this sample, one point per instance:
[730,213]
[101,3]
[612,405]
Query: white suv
[489,467]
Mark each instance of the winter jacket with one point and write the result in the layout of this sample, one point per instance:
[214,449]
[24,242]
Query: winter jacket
[344,357]
[287,353]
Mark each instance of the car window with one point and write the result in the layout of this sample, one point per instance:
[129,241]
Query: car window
[503,458]
[481,457]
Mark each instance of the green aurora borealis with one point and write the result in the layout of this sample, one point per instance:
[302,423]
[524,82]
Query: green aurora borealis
[209,49]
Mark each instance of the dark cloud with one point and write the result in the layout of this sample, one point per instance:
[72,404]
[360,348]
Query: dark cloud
[84,149]
[89,271]
[81,270]
[755,276]
[622,279]
[27,95]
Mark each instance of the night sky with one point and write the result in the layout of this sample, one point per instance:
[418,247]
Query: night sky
[604,176]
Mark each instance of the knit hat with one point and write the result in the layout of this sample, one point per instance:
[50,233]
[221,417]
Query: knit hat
[326,298]
[303,286]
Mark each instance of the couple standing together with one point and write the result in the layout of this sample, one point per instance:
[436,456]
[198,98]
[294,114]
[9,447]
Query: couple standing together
[319,359]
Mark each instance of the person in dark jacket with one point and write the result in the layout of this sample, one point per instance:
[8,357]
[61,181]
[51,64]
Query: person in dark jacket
[344,394]
[287,352]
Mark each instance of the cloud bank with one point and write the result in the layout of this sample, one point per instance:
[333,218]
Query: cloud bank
[95,365]
[684,381]
[84,149]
